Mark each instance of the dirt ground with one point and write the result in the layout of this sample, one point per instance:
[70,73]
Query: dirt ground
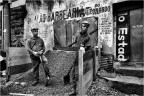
[56,87]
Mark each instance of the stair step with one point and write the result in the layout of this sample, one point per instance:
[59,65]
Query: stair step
[129,70]
[132,68]
[127,79]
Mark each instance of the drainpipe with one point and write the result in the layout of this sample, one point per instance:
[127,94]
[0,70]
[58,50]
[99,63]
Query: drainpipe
[6,31]
[6,25]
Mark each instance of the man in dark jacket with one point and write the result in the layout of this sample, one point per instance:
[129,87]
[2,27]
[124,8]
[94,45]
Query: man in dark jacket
[82,40]
[36,48]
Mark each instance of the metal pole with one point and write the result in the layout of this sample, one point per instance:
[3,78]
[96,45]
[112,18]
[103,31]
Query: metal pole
[6,25]
[2,29]
[6,32]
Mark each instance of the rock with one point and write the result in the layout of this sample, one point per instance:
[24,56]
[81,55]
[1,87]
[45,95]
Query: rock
[16,83]
[23,84]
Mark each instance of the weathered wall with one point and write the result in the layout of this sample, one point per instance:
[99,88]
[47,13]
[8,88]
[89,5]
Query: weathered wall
[51,15]
[71,10]
[34,19]
[101,9]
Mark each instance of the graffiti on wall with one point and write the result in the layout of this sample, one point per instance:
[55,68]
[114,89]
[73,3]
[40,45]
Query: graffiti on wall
[101,10]
[72,13]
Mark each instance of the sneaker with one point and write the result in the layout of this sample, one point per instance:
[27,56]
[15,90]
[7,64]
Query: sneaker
[4,72]
[48,77]
[34,83]
[47,83]
[72,93]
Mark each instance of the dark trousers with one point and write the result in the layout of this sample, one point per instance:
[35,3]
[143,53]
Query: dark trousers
[2,65]
[36,61]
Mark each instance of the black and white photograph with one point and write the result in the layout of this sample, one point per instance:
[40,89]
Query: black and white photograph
[71,48]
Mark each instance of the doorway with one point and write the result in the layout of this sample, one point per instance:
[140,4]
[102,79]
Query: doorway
[136,35]
[128,20]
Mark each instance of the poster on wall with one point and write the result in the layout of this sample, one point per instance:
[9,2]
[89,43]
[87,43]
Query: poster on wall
[123,37]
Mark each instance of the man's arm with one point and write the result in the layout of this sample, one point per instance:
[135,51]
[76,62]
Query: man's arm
[28,47]
[43,49]
[73,42]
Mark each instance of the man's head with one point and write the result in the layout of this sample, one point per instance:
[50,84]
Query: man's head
[34,32]
[85,26]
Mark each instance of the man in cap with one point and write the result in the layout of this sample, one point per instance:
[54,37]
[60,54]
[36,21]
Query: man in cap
[36,48]
[82,40]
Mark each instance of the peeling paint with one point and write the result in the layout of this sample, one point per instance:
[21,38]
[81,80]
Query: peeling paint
[42,15]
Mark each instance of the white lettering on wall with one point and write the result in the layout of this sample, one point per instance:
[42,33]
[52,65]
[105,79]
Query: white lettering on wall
[121,18]
[121,37]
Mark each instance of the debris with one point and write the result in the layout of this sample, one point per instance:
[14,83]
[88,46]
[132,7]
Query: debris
[20,94]
[23,84]
[17,83]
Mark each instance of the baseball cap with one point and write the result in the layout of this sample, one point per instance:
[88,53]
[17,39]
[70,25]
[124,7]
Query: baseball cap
[34,29]
[85,22]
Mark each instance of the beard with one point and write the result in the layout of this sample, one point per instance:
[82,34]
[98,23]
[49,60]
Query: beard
[83,32]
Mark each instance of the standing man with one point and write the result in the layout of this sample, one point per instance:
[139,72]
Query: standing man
[36,48]
[82,40]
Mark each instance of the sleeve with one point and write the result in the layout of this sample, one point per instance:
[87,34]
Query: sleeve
[76,39]
[28,46]
[43,47]
[87,41]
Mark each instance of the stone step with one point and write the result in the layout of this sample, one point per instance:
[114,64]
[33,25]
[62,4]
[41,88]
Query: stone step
[127,84]
[127,79]
[129,70]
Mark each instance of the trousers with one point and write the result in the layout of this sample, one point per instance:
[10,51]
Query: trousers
[36,61]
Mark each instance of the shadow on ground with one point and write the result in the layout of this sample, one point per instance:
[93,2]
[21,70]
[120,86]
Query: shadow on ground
[128,88]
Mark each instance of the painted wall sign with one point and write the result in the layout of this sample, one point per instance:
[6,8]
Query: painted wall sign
[72,13]
[123,37]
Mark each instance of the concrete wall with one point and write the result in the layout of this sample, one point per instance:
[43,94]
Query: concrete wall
[43,18]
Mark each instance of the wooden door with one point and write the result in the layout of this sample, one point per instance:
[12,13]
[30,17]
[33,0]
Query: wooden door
[136,35]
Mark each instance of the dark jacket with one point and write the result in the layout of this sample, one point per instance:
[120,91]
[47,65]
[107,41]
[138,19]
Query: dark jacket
[83,39]
[36,44]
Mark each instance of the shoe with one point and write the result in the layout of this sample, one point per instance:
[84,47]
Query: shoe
[47,82]
[72,92]
[34,83]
